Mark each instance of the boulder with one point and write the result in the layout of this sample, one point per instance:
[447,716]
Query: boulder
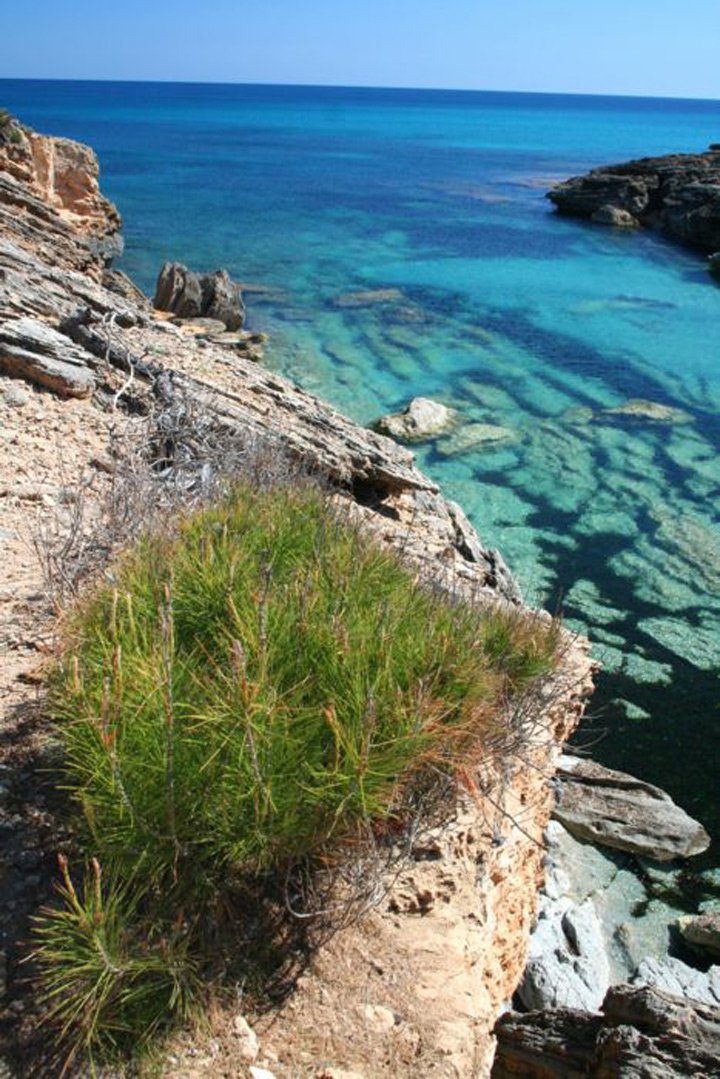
[703,931]
[714,264]
[615,809]
[33,350]
[615,216]
[191,295]
[420,420]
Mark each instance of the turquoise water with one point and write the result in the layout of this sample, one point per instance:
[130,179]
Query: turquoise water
[513,315]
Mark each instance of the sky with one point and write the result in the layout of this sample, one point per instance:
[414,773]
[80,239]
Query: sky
[647,47]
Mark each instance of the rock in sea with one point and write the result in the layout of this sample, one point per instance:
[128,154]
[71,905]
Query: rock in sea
[420,420]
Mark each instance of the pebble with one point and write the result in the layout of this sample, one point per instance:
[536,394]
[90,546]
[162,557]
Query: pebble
[16,398]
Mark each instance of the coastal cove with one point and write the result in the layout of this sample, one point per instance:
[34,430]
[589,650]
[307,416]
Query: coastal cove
[494,305]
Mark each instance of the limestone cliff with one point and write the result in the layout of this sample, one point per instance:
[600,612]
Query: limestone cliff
[416,986]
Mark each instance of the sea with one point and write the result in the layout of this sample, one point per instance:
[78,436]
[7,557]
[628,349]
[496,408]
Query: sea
[489,301]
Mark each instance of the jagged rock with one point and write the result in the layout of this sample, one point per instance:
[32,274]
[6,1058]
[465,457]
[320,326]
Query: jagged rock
[32,350]
[191,295]
[643,1033]
[613,215]
[567,964]
[671,975]
[473,436]
[617,810]
[678,194]
[714,264]
[421,419]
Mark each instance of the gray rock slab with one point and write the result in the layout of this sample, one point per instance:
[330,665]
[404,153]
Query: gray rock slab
[617,810]
[674,976]
[33,350]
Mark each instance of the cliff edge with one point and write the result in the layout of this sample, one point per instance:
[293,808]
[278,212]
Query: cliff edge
[416,986]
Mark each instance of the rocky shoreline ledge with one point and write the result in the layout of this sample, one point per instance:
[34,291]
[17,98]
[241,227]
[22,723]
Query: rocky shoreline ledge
[677,194]
[416,988]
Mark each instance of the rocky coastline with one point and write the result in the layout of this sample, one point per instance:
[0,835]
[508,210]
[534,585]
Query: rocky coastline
[677,195]
[419,985]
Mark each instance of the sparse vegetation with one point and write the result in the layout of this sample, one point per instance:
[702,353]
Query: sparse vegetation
[262,688]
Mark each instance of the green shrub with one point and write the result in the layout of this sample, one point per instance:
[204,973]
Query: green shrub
[253,690]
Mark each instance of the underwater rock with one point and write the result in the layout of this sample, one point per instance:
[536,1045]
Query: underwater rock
[649,410]
[474,436]
[617,810]
[369,296]
[421,419]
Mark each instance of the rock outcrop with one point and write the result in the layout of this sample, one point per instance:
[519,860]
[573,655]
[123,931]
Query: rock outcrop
[678,194]
[199,295]
[617,810]
[642,1032]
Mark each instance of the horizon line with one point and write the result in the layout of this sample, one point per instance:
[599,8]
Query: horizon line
[360,86]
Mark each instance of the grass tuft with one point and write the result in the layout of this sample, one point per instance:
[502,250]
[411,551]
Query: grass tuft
[254,690]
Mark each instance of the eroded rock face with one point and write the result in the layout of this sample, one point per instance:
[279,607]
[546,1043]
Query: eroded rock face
[44,177]
[679,194]
[191,295]
[617,810]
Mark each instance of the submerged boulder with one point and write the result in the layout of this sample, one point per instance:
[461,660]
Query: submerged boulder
[615,809]
[474,436]
[421,419]
[653,411]
[191,295]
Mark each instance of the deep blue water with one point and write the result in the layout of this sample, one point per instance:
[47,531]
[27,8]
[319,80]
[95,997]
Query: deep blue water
[515,316]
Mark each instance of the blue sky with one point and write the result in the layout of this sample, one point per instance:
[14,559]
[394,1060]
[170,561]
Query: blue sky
[653,47]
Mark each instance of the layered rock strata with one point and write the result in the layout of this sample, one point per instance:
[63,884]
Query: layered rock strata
[459,914]
[641,1033]
[678,194]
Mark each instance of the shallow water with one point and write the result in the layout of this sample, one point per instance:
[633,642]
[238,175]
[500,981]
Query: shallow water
[513,315]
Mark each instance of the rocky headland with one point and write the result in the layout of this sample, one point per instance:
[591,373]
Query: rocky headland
[677,194]
[415,987]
